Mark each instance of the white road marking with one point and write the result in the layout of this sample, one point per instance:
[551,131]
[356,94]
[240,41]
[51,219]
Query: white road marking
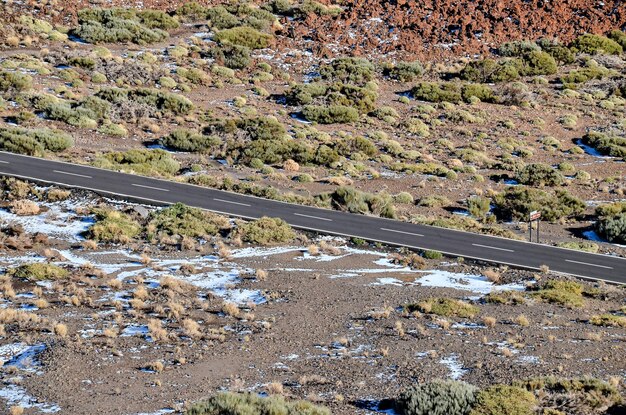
[586,263]
[406,233]
[313,217]
[494,247]
[150,187]
[73,174]
[232,203]
[4,162]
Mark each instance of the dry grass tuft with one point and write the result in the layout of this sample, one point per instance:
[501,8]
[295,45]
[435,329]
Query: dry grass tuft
[114,284]
[489,321]
[399,328]
[260,274]
[16,410]
[313,250]
[157,332]
[191,329]
[230,309]
[492,275]
[60,330]
[155,366]
[522,320]
[274,388]
[24,207]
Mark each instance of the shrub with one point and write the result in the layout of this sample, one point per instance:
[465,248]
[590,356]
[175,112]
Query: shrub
[349,70]
[147,162]
[590,43]
[436,92]
[266,231]
[491,71]
[185,140]
[112,226]
[619,37]
[182,220]
[539,174]
[166,102]
[249,403]
[504,400]
[405,71]
[611,223]
[505,297]
[14,81]
[538,63]
[439,397]
[115,130]
[478,206]
[517,202]
[585,246]
[356,201]
[565,293]
[123,25]
[334,114]
[607,144]
[560,53]
[446,307]
[608,320]
[314,7]
[582,75]
[232,56]
[244,36]
[517,48]
[33,142]
[39,271]
[482,92]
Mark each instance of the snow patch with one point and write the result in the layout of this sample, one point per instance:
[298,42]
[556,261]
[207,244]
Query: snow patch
[455,367]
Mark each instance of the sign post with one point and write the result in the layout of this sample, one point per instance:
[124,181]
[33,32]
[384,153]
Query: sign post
[535,215]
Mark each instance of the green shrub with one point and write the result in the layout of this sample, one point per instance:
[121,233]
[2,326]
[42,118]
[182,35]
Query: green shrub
[538,63]
[71,114]
[356,71]
[560,53]
[39,271]
[517,202]
[404,198]
[478,206]
[482,92]
[166,102]
[517,48]
[611,223]
[539,174]
[185,140]
[248,403]
[608,320]
[492,71]
[439,397]
[231,56]
[33,142]
[266,231]
[334,114]
[112,226]
[146,162]
[590,43]
[84,62]
[585,246]
[14,82]
[115,130]
[582,75]
[446,307]
[505,297]
[314,7]
[434,201]
[36,25]
[619,37]
[220,18]
[244,36]
[356,201]
[436,92]
[565,293]
[123,25]
[587,395]
[182,220]
[607,144]
[430,254]
[504,400]
[405,71]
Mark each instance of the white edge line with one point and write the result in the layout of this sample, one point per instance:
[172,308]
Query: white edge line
[4,162]
[406,233]
[231,202]
[493,247]
[287,203]
[586,277]
[313,217]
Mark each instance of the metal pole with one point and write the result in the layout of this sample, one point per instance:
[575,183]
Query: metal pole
[530,230]
[538,230]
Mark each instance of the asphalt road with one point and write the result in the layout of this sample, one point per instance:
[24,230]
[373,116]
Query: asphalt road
[451,242]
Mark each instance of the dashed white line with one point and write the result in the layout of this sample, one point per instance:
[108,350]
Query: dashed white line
[586,263]
[231,202]
[149,187]
[72,174]
[313,217]
[406,233]
[4,162]
[494,247]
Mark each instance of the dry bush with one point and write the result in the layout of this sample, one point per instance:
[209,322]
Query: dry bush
[291,166]
[11,315]
[506,352]
[399,328]
[313,250]
[230,309]
[591,336]
[260,274]
[41,303]
[137,304]
[156,366]
[175,310]
[313,380]
[16,410]
[522,320]
[384,351]
[145,259]
[114,284]
[492,275]
[89,245]
[191,328]
[489,321]
[274,388]
[140,293]
[187,269]
[445,324]
[157,332]
[329,249]
[60,330]
[24,207]
[223,251]
[110,332]
[187,243]
[379,314]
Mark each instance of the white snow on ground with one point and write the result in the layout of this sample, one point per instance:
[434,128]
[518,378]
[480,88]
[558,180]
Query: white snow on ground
[468,282]
[58,222]
[455,367]
[161,412]
[387,281]
[261,252]
[17,396]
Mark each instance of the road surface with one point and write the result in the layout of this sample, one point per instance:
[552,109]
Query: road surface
[456,243]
